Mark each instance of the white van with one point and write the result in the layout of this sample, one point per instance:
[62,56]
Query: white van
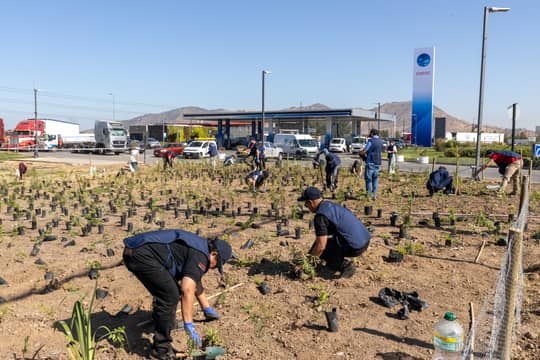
[297,145]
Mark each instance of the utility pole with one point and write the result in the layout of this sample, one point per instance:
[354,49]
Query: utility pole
[379,118]
[35,125]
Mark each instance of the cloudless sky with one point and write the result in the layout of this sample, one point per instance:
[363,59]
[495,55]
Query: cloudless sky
[163,54]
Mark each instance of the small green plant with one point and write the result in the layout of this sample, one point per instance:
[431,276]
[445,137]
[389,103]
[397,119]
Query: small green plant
[304,266]
[212,338]
[322,297]
[410,248]
[4,311]
[82,345]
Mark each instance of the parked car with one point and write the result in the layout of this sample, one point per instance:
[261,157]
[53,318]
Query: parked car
[152,143]
[272,152]
[338,145]
[400,144]
[134,145]
[178,148]
[357,144]
[197,149]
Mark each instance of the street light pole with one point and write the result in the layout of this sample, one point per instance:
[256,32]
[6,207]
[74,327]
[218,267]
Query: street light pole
[379,118]
[261,129]
[487,10]
[35,125]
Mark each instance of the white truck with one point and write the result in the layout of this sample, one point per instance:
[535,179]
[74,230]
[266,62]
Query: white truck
[111,136]
[53,131]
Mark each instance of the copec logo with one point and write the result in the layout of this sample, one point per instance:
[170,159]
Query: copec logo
[423,60]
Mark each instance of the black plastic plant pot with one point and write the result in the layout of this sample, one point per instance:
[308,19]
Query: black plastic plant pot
[368,210]
[448,242]
[20,230]
[68,225]
[110,252]
[437,221]
[101,228]
[379,213]
[249,205]
[123,219]
[403,232]
[332,320]
[238,211]
[34,224]
[255,211]
[278,227]
[297,233]
[35,250]
[510,217]
[93,274]
[162,224]
[393,219]
[130,227]
[176,213]
[435,215]
[43,213]
[264,288]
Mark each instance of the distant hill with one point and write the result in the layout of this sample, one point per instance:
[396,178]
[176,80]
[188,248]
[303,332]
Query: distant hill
[402,110]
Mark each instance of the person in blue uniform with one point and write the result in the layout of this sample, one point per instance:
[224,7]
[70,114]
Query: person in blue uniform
[338,233]
[171,264]
[333,163]
[439,180]
[256,179]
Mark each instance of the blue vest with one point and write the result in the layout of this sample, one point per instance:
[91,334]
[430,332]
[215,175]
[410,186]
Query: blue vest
[349,228]
[167,237]
[374,152]
[212,150]
[332,160]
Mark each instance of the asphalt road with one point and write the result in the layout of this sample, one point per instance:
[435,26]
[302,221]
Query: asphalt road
[347,160]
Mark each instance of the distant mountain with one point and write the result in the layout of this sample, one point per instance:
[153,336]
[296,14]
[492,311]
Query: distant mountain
[402,110]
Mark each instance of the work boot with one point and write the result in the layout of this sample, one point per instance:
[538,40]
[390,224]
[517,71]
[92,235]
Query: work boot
[347,269]
[162,348]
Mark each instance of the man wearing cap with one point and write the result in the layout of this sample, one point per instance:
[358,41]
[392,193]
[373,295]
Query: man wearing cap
[171,264]
[509,164]
[339,234]
[372,152]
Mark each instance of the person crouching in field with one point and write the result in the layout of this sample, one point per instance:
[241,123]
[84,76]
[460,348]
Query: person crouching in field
[255,179]
[338,233]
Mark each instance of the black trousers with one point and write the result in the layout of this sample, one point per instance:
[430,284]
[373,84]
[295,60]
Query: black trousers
[163,287]
[334,254]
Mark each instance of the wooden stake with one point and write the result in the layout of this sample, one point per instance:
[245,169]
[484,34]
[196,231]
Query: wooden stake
[471,329]
[480,251]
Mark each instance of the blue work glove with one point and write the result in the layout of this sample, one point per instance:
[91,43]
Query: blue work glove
[211,314]
[190,330]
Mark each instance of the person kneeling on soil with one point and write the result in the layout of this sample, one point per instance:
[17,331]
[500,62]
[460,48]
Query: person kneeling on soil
[168,159]
[509,164]
[439,180]
[338,233]
[256,179]
[171,264]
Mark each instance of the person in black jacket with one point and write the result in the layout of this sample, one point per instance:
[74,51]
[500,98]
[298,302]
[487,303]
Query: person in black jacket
[171,264]
[440,180]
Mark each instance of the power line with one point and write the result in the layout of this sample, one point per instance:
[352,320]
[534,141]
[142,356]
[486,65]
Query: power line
[79,97]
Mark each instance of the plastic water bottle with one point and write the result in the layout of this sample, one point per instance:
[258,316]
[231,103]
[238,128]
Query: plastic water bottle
[448,338]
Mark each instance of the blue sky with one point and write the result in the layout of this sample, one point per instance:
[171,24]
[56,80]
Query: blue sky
[158,55]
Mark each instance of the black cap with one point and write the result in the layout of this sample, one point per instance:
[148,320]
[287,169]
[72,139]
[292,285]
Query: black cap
[311,193]
[225,253]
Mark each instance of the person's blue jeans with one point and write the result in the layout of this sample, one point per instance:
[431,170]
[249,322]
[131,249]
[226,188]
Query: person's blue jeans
[372,178]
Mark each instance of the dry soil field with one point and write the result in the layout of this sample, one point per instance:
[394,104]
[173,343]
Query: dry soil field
[59,223]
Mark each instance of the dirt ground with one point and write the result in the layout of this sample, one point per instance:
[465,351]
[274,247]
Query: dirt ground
[289,321]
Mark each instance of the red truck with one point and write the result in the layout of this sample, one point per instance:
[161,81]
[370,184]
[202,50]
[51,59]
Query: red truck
[2,133]
[48,131]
